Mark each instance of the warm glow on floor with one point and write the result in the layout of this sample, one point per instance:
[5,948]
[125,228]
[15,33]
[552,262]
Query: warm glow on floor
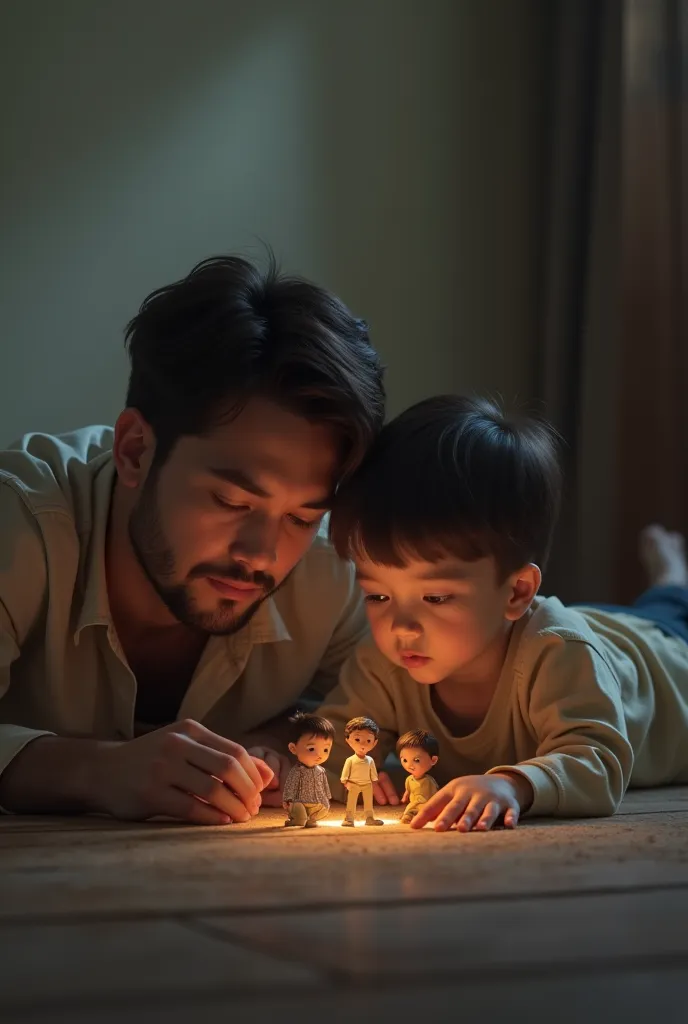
[330,823]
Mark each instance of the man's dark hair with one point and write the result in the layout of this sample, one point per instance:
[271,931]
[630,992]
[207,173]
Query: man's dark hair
[202,347]
[419,739]
[453,476]
[303,724]
[361,724]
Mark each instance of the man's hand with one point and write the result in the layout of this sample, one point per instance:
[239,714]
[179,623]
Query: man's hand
[384,792]
[476,802]
[182,771]
[280,765]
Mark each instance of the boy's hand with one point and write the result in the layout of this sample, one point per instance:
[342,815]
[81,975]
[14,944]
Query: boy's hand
[346,785]
[404,796]
[476,802]
[280,765]
[384,792]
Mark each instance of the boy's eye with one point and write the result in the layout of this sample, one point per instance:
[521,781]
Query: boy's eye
[375,598]
[417,760]
[437,598]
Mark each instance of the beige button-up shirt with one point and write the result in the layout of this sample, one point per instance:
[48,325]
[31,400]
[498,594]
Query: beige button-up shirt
[62,669]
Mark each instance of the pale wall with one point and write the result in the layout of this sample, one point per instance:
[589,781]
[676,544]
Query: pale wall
[384,147]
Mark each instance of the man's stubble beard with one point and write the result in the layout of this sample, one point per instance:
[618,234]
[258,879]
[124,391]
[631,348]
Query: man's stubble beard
[156,558]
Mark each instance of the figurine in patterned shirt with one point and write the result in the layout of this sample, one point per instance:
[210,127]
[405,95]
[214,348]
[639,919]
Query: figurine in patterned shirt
[359,771]
[306,795]
[418,751]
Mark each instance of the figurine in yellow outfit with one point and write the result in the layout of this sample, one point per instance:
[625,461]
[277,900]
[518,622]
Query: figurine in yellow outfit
[418,752]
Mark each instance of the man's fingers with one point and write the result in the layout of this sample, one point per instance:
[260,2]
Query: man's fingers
[268,769]
[388,789]
[205,737]
[379,795]
[270,758]
[228,769]
[488,817]
[430,810]
[181,806]
[212,791]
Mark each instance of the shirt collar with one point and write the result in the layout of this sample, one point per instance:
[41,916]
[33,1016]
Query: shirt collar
[95,607]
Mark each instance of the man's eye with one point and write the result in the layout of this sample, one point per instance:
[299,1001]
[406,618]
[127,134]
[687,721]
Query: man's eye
[303,524]
[375,598]
[232,506]
[437,598]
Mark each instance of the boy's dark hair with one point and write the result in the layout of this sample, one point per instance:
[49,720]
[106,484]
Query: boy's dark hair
[453,476]
[359,724]
[419,739]
[303,724]
[202,347]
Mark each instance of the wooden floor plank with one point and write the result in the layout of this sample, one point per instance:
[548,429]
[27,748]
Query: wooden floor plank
[152,871]
[66,964]
[632,997]
[462,940]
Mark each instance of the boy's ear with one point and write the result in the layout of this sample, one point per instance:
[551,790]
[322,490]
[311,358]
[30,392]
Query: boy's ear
[434,759]
[523,586]
[292,749]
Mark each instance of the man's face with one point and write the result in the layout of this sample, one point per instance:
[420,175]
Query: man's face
[226,518]
[417,761]
[362,741]
[311,750]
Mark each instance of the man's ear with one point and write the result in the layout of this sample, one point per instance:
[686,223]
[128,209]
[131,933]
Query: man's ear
[523,586]
[133,448]
[292,749]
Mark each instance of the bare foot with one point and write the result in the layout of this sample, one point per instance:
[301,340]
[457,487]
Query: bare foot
[663,555]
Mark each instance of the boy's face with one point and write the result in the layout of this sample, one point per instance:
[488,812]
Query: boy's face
[417,761]
[362,741]
[311,750]
[441,620]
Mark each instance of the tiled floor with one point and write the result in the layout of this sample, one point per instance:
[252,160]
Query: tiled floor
[575,921]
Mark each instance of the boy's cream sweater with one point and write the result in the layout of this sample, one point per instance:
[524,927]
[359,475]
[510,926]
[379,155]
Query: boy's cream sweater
[588,703]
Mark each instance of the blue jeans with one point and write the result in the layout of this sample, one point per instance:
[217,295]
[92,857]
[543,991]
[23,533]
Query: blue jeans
[667,607]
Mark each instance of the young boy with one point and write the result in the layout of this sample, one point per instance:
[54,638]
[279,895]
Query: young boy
[306,795]
[418,753]
[359,771]
[536,707]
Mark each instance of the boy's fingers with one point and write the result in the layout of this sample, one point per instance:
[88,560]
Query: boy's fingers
[451,813]
[488,817]
[430,810]
[471,814]
[511,818]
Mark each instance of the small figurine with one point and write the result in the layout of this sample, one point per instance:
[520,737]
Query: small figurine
[359,771]
[418,752]
[306,794]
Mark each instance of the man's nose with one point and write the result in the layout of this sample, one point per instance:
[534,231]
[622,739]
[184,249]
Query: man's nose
[255,543]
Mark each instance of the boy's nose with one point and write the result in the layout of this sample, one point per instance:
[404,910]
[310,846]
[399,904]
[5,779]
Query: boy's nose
[404,627]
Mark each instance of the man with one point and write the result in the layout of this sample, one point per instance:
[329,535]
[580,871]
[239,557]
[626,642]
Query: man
[165,587]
